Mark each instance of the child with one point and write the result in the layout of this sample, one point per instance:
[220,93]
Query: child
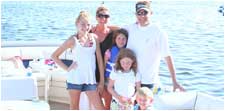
[123,80]
[81,73]
[119,40]
[144,99]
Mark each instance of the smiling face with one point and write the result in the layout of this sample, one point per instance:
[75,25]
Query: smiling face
[121,40]
[102,17]
[144,101]
[83,22]
[143,16]
[126,63]
[83,25]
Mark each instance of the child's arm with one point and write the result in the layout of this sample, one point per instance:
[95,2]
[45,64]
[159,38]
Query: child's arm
[138,85]
[113,92]
[107,56]
[138,81]
[111,89]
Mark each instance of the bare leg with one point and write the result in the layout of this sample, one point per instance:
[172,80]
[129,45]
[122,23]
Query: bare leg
[107,98]
[74,99]
[94,98]
[17,61]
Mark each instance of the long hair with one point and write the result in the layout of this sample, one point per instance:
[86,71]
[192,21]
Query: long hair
[83,15]
[125,52]
[116,33]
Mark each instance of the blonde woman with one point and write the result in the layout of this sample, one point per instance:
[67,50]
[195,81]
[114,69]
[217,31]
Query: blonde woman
[81,73]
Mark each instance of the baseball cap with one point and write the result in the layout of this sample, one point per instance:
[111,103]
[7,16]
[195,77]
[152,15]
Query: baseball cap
[145,5]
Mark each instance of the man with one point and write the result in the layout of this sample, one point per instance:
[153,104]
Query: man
[150,44]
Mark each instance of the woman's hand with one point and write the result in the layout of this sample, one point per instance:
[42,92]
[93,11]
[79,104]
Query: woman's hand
[72,66]
[100,88]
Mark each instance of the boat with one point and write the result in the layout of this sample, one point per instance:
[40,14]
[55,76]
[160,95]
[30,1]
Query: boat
[221,9]
[51,86]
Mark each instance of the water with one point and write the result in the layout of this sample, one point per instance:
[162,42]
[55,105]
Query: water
[195,29]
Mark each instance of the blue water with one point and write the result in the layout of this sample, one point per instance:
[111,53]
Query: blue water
[195,29]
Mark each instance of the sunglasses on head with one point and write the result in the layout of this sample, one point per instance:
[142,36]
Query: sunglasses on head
[103,16]
[140,13]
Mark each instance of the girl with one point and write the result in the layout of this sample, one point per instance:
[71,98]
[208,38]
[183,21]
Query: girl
[120,38]
[119,41]
[81,73]
[123,80]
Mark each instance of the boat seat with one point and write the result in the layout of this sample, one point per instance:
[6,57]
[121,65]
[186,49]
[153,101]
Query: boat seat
[207,102]
[18,91]
[187,101]
[175,101]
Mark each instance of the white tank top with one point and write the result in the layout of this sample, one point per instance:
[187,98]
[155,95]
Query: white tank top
[85,58]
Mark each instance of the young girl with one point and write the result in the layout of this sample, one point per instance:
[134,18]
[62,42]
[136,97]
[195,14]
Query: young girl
[119,41]
[81,73]
[144,98]
[123,80]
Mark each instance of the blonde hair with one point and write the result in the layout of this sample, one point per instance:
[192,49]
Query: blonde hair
[83,15]
[101,8]
[144,91]
[125,52]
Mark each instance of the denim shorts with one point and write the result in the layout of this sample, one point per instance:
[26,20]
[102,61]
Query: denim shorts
[82,87]
[150,86]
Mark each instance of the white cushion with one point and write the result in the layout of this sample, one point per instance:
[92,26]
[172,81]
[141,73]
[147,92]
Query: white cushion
[59,76]
[8,69]
[207,102]
[10,52]
[175,101]
[18,88]
[40,76]
[7,64]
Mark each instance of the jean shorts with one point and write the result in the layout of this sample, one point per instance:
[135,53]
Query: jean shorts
[81,87]
[150,86]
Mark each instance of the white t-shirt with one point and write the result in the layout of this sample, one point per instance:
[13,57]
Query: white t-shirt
[124,83]
[150,44]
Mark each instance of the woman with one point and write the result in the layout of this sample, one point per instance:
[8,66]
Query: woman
[81,73]
[104,33]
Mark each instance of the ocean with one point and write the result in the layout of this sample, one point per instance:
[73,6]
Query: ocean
[195,29]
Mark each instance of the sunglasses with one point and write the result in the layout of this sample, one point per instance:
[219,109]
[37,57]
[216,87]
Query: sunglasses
[140,13]
[103,16]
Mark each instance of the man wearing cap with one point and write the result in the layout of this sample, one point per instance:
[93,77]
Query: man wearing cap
[150,44]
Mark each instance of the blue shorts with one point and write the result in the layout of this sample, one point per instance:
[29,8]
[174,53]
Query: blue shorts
[81,87]
[150,86]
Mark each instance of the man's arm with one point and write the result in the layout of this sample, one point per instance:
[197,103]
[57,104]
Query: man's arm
[171,68]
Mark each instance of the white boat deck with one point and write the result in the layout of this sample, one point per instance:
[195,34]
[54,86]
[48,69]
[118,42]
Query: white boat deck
[57,90]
